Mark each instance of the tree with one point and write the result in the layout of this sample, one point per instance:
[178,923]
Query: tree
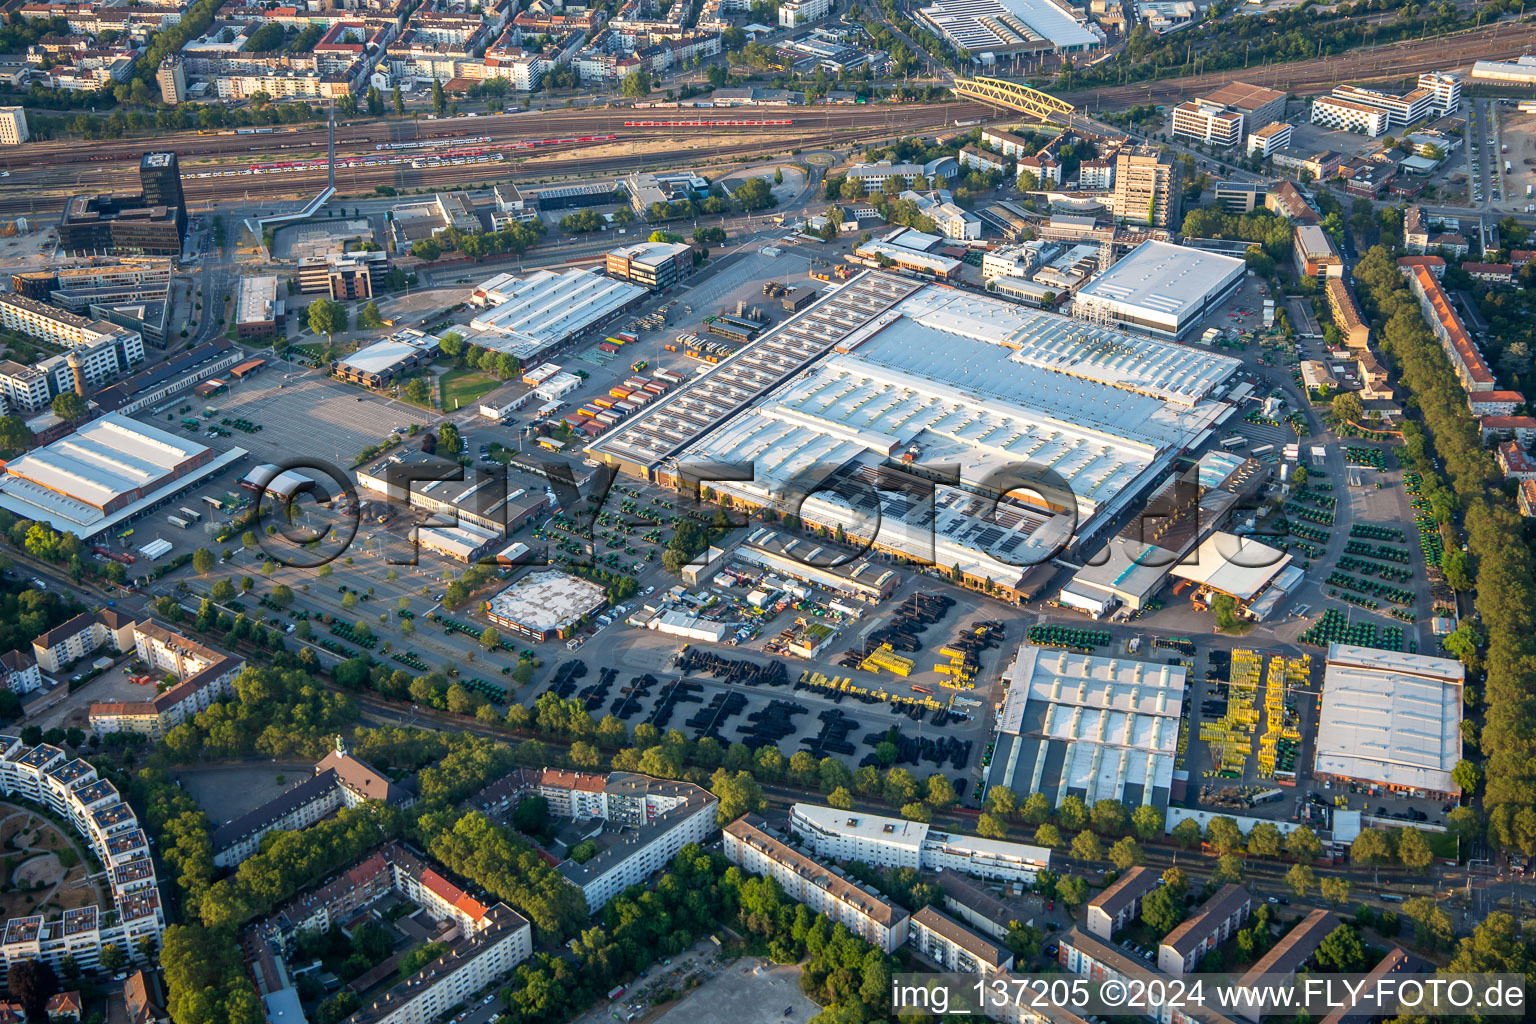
[1413,849]
[490,639]
[1125,854]
[990,826]
[1432,930]
[1467,775]
[1108,818]
[398,101]
[1371,847]
[33,983]
[1334,890]
[636,85]
[428,249]
[1187,833]
[1048,836]
[69,406]
[1072,891]
[1346,408]
[15,436]
[439,100]
[738,794]
[203,561]
[1300,879]
[1162,910]
[1229,869]
[1341,951]
[1303,845]
[1264,840]
[1146,822]
[1086,846]
[368,317]
[1072,814]
[843,801]
[1224,835]
[1036,809]
[327,317]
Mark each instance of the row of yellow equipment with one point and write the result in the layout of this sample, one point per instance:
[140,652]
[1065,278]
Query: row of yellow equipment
[845,684]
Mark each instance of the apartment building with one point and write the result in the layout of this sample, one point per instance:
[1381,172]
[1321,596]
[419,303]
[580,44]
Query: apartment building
[1314,254]
[339,780]
[1494,403]
[19,672]
[142,279]
[484,945]
[1006,143]
[1217,920]
[977,159]
[644,822]
[131,914]
[895,842]
[60,327]
[1278,967]
[171,77]
[1240,196]
[1466,358]
[953,946]
[795,13]
[204,675]
[1084,954]
[1148,190]
[1118,905]
[1445,90]
[862,911]
[1346,315]
[1096,175]
[80,637]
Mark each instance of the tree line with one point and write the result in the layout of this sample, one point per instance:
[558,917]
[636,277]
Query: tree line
[1500,562]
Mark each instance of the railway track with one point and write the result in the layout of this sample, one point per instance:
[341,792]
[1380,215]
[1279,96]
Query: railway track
[26,193]
[1390,61]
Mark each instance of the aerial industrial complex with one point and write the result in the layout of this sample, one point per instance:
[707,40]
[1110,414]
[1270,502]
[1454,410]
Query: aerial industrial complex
[762,512]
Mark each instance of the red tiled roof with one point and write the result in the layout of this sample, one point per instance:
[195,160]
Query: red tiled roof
[1508,423]
[1471,360]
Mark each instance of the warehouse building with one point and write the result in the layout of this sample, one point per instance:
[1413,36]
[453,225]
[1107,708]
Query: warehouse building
[527,317]
[1160,289]
[886,373]
[456,497]
[897,843]
[1391,720]
[1256,576]
[654,265]
[545,605]
[380,364]
[1087,726]
[802,558]
[1010,26]
[1521,71]
[109,471]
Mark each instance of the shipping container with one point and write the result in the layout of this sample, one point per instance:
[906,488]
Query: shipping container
[619,392]
[176,521]
[624,408]
[608,347]
[615,341]
[629,336]
[603,403]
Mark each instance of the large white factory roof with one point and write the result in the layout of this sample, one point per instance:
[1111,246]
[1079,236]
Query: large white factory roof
[1391,718]
[1101,728]
[545,308]
[979,25]
[548,600]
[1169,280]
[967,380]
[70,482]
[1238,566]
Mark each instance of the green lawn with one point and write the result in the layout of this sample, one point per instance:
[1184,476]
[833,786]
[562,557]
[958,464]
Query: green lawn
[463,387]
